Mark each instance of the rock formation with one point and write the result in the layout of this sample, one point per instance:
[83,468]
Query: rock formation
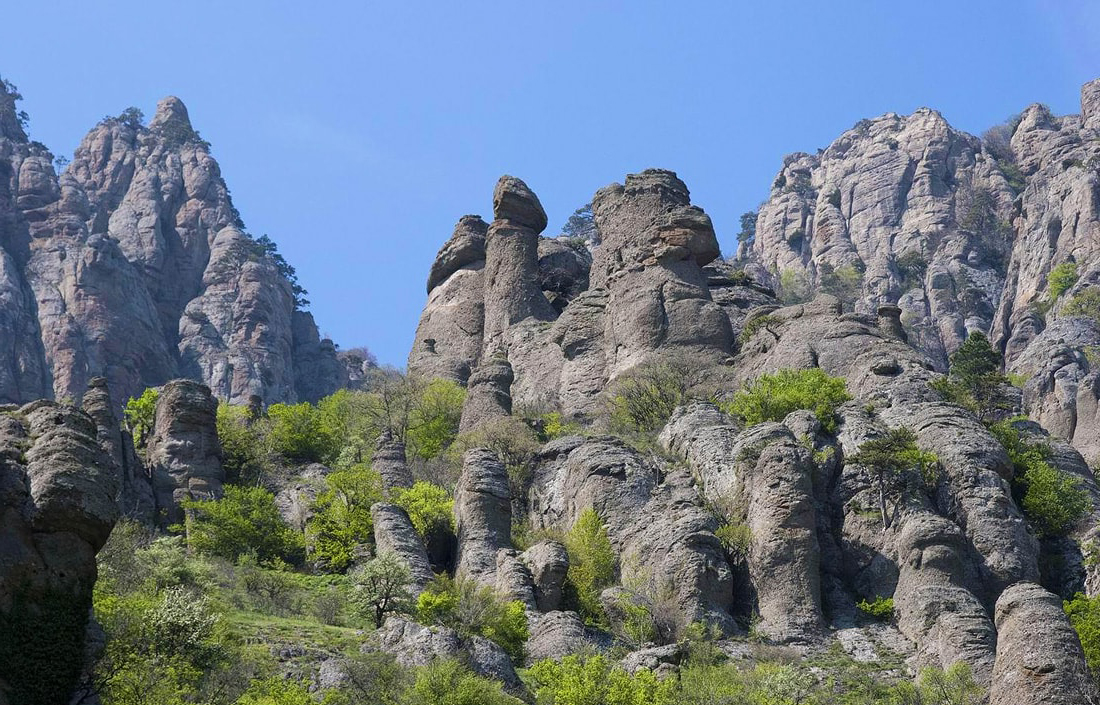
[131,265]
[394,533]
[483,515]
[184,455]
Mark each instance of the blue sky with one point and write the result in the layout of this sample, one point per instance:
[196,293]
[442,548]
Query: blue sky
[357,133]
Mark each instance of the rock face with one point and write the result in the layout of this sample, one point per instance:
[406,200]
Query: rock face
[131,266]
[1038,665]
[394,533]
[184,454]
[389,462]
[135,490]
[489,394]
[548,562]
[483,515]
[57,507]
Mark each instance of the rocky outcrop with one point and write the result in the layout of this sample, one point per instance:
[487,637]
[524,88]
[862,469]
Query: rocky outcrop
[488,395]
[483,516]
[415,645]
[1038,665]
[58,490]
[135,490]
[184,455]
[390,464]
[558,634]
[112,269]
[394,533]
[548,562]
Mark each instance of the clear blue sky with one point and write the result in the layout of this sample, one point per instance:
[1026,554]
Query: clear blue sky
[357,133]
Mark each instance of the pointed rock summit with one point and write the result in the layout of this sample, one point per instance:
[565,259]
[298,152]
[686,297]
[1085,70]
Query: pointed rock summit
[170,112]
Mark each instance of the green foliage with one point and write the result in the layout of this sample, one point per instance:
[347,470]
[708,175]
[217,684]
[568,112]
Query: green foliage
[897,463]
[581,225]
[772,397]
[845,282]
[266,247]
[513,441]
[911,267]
[1052,499]
[433,420]
[244,521]
[1061,279]
[756,324]
[748,227]
[341,516]
[592,563]
[300,432]
[881,608]
[140,414]
[1085,303]
[447,682]
[430,507]
[794,287]
[643,399]
[736,538]
[595,680]
[471,608]
[275,691]
[131,117]
[974,380]
[244,453]
[1084,615]
[380,587]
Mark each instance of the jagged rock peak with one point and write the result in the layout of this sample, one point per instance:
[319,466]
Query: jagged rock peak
[171,112]
[660,181]
[1090,104]
[466,246]
[513,200]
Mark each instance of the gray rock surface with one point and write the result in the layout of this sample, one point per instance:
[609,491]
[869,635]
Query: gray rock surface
[390,464]
[394,533]
[135,489]
[548,562]
[488,394]
[184,455]
[483,516]
[1038,665]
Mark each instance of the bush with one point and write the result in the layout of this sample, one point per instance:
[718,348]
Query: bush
[244,521]
[275,691]
[736,538]
[380,587]
[974,380]
[595,680]
[1061,279]
[881,608]
[1084,615]
[1053,500]
[794,287]
[434,418]
[845,283]
[297,432]
[772,397]
[643,398]
[140,414]
[471,608]
[430,507]
[1085,303]
[756,324]
[591,564]
[447,682]
[244,455]
[341,516]
[911,267]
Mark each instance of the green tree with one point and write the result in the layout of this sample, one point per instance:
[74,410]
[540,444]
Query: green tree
[341,516]
[447,682]
[592,563]
[594,680]
[275,691]
[582,225]
[245,520]
[434,418]
[1084,615]
[380,587]
[298,432]
[1061,279]
[244,452]
[643,398]
[894,459]
[748,226]
[266,247]
[974,380]
[772,396]
[430,507]
[140,414]
[471,608]
[1085,303]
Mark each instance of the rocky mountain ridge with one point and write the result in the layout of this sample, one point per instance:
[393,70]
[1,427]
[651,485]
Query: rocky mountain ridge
[132,264]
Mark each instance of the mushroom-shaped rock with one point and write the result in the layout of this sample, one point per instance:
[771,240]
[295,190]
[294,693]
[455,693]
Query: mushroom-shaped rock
[515,202]
[466,247]
[1039,657]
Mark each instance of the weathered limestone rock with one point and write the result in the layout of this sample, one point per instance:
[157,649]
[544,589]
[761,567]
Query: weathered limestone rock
[135,491]
[483,515]
[489,394]
[184,454]
[1039,658]
[57,508]
[514,579]
[295,499]
[390,464]
[449,337]
[558,634]
[548,562]
[394,533]
[512,291]
[416,645]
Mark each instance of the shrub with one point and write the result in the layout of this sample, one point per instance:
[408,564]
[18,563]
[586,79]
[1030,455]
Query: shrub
[1085,303]
[595,680]
[748,227]
[1061,279]
[297,432]
[245,520]
[244,455]
[881,608]
[471,608]
[756,324]
[275,691]
[512,440]
[911,267]
[643,399]
[591,563]
[1052,499]
[447,682]
[736,538]
[429,506]
[845,283]
[341,516]
[380,587]
[895,461]
[1084,615]
[434,418]
[140,414]
[794,287]
[772,397]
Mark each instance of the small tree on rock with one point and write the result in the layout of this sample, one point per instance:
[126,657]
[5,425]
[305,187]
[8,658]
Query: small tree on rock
[381,587]
[893,459]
